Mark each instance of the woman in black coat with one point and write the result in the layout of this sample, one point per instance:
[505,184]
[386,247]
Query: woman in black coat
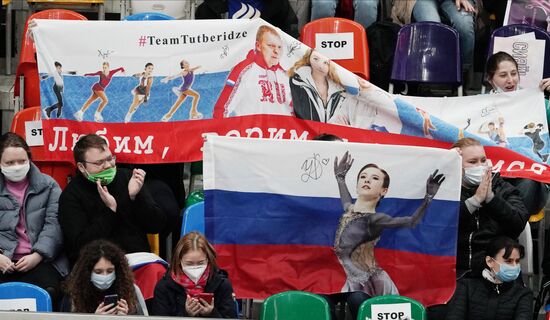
[489,207]
[194,286]
[496,295]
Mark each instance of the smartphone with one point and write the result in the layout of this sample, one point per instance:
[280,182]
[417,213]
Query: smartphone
[206,296]
[110,299]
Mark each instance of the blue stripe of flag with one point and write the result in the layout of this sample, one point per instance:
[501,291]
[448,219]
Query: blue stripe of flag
[263,218]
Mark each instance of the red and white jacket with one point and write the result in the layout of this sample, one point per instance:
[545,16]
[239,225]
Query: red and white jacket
[254,88]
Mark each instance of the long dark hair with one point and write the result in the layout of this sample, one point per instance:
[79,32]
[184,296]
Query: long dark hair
[85,297]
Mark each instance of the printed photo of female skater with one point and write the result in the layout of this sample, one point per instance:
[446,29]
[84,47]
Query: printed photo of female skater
[98,92]
[142,91]
[315,86]
[187,74]
[361,226]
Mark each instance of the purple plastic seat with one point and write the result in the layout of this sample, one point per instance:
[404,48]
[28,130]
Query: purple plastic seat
[427,52]
[515,29]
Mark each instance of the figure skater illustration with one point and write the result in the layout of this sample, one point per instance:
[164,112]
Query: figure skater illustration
[533,132]
[360,226]
[496,135]
[427,124]
[187,74]
[141,92]
[98,92]
[461,131]
[57,90]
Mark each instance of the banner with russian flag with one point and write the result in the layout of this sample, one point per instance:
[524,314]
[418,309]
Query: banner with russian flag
[273,208]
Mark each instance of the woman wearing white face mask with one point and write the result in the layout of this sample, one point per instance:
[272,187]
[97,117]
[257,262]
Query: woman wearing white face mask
[489,207]
[102,270]
[495,295]
[31,238]
[193,277]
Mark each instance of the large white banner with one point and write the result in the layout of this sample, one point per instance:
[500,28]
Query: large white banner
[154,89]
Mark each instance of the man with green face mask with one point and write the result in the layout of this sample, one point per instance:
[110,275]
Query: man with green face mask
[103,202]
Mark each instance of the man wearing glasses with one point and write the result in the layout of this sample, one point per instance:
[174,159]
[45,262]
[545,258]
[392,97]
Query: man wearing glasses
[105,202]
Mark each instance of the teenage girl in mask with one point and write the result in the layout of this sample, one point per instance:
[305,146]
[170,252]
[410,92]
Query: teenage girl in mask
[495,295]
[489,207]
[192,276]
[31,238]
[102,270]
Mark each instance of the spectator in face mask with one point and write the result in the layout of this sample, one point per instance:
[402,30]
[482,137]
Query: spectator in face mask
[194,286]
[102,270]
[489,207]
[30,237]
[106,202]
[495,295]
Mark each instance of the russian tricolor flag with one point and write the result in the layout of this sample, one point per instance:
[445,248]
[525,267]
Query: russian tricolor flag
[272,208]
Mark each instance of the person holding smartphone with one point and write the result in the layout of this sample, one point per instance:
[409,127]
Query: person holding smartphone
[101,282]
[194,286]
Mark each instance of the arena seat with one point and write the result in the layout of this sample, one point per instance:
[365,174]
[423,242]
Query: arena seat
[360,62]
[62,172]
[418,312]
[27,83]
[295,305]
[24,297]
[145,16]
[428,53]
[517,29]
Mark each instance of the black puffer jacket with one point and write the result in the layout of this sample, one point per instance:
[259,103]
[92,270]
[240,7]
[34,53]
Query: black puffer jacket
[169,299]
[504,215]
[477,298]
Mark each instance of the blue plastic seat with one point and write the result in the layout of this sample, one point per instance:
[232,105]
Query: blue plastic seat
[193,219]
[427,52]
[148,16]
[22,290]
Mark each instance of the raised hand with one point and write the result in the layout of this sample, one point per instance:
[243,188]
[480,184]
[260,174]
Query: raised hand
[342,167]
[434,182]
[484,188]
[136,183]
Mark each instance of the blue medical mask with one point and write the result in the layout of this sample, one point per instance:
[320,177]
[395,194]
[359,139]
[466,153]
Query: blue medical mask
[103,282]
[507,273]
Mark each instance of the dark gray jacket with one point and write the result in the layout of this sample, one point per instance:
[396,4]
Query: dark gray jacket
[43,227]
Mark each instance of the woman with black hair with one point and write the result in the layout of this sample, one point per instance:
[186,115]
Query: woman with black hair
[100,271]
[495,295]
